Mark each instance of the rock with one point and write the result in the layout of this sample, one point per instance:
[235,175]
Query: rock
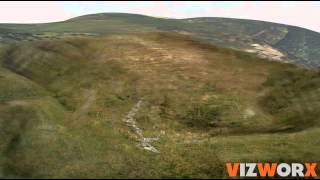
[131,123]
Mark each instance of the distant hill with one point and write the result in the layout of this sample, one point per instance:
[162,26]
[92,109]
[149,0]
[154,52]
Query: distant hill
[271,40]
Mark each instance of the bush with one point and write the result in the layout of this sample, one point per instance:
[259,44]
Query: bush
[202,116]
[293,97]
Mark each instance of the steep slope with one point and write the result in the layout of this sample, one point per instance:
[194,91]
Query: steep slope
[301,45]
[268,40]
[298,45]
[207,105]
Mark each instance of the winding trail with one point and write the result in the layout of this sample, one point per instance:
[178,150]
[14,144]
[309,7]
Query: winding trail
[132,124]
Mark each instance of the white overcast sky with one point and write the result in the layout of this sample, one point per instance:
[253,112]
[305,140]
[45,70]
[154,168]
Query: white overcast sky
[304,14]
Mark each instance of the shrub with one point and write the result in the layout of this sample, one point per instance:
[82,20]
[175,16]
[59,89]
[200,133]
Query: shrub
[202,116]
[293,96]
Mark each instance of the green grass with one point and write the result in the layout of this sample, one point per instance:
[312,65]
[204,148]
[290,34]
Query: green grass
[63,102]
[294,97]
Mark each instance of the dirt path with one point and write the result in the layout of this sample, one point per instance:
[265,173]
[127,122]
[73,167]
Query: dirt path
[132,124]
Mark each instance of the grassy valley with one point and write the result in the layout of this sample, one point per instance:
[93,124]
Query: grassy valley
[63,102]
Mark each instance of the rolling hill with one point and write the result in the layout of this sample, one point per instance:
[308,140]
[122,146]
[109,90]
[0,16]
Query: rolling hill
[269,40]
[131,96]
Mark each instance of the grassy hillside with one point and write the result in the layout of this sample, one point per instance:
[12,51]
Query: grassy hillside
[298,45]
[63,102]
